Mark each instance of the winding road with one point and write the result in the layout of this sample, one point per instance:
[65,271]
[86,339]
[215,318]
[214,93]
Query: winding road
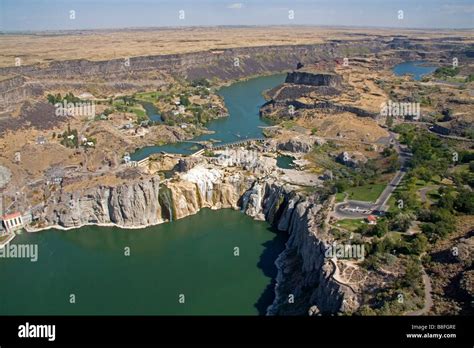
[359,209]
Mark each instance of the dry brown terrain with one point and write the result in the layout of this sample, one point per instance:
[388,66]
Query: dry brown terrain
[109,44]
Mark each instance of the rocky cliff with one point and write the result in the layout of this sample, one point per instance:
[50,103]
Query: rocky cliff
[303,270]
[304,280]
[314,79]
[281,109]
[227,64]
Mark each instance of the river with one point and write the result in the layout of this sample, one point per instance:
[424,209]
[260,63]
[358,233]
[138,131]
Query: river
[416,68]
[243,100]
[194,256]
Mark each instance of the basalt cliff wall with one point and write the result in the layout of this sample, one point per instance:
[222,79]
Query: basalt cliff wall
[125,73]
[303,270]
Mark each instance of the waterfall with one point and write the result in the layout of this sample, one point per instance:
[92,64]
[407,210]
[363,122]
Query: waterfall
[166,200]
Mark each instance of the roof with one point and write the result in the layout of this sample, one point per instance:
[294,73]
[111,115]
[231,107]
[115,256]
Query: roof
[371,218]
[11,216]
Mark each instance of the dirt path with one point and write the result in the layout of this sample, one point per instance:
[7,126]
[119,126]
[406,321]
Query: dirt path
[424,191]
[428,299]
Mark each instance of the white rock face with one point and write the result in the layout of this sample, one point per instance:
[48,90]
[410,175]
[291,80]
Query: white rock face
[204,179]
[252,202]
[302,267]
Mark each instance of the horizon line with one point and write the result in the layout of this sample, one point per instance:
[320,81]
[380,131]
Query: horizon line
[170,27]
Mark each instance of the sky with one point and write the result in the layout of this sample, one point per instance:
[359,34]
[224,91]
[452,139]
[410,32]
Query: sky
[38,15]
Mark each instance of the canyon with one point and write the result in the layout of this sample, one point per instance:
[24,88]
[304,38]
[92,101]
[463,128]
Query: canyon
[303,271]
[294,202]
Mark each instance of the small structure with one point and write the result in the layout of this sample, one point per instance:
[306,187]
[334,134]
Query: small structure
[372,220]
[86,96]
[40,140]
[12,222]
[126,158]
[54,175]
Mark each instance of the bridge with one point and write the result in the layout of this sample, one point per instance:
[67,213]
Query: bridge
[231,144]
[144,162]
[238,143]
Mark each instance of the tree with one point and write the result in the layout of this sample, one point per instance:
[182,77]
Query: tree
[381,228]
[401,221]
[184,100]
[465,202]
[412,275]
[393,164]
[419,244]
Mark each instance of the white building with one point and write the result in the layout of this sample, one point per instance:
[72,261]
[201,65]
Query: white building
[12,222]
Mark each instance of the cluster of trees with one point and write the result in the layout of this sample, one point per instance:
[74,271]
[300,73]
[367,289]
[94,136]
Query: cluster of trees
[392,158]
[365,174]
[402,296]
[431,156]
[69,98]
[201,82]
[446,71]
[439,220]
[70,138]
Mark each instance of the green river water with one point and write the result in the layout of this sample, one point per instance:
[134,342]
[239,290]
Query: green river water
[194,256]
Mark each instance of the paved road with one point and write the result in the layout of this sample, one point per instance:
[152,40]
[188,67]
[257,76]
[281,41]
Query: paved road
[358,209]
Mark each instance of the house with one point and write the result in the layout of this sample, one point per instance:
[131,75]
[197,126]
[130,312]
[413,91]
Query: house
[57,180]
[126,158]
[12,222]
[372,220]
[40,140]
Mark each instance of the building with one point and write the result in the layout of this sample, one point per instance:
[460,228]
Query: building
[40,140]
[372,220]
[12,222]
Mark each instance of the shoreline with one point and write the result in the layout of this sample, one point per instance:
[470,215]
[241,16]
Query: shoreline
[111,224]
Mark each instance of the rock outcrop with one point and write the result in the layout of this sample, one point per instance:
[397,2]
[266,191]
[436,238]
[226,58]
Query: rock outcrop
[303,270]
[215,63]
[314,79]
[300,144]
[304,277]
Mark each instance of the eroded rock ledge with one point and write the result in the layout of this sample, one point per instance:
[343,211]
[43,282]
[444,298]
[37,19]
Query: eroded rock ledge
[303,270]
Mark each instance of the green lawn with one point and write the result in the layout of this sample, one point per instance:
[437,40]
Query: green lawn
[340,197]
[392,204]
[461,168]
[148,96]
[350,224]
[141,113]
[366,193]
